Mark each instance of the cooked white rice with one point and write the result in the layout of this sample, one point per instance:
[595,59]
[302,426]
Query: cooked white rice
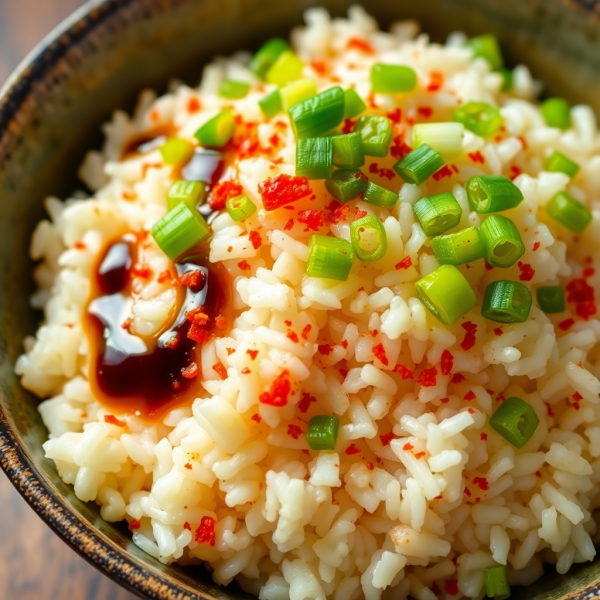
[421,493]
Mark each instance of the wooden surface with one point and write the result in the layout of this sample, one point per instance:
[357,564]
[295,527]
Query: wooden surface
[34,563]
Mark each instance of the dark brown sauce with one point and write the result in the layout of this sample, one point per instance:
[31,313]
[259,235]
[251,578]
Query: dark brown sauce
[143,375]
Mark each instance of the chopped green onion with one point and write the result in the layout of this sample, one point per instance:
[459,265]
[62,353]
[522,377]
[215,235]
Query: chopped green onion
[506,302]
[492,193]
[317,115]
[322,432]
[515,421]
[446,293]
[369,239]
[288,67]
[507,79]
[556,113]
[314,158]
[271,104]
[437,213]
[496,581]
[458,248]
[329,258]
[559,163]
[346,184]
[240,207]
[376,133]
[486,46]
[179,230]
[502,244]
[234,89]
[419,165]
[297,91]
[551,299]
[217,131]
[190,192]
[444,138]
[266,55]
[569,212]
[375,194]
[481,118]
[348,151]
[354,104]
[390,79]
[176,151]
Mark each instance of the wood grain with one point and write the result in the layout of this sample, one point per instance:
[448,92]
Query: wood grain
[34,563]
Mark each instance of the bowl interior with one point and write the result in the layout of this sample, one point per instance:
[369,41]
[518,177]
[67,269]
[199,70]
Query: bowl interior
[51,114]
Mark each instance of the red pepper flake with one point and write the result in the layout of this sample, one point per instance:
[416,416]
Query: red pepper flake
[443,172]
[319,66]
[289,225]
[359,214]
[325,349]
[419,455]
[483,436]
[386,438]
[221,322]
[447,362]
[255,239]
[197,316]
[256,417]
[352,449]
[114,421]
[134,524]
[457,378]
[371,101]
[348,126]
[477,157]
[387,174]
[515,172]
[374,333]
[243,265]
[395,116]
[566,324]
[399,148]
[470,395]
[205,534]
[344,344]
[294,431]
[425,111]
[360,44]
[536,245]
[194,280]
[165,276]
[223,191]
[405,263]
[451,587]
[79,245]
[252,354]
[305,401]
[374,168]
[175,384]
[471,411]
[582,295]
[404,372]
[283,189]
[339,214]
[436,80]
[467,492]
[498,331]
[293,336]
[187,526]
[190,371]
[245,371]
[313,219]
[576,405]
[193,105]
[306,332]
[577,397]
[469,339]
[488,267]
[278,393]
[589,272]
[188,466]
[407,447]
[141,271]
[379,352]
[220,370]
[445,400]
[428,377]
[527,271]
[482,483]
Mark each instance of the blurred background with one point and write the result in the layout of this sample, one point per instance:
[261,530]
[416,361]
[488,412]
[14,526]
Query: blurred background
[34,563]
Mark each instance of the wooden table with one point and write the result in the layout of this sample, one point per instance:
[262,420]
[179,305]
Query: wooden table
[34,563]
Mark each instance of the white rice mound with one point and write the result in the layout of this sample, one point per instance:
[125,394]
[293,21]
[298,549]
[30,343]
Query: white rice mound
[421,493]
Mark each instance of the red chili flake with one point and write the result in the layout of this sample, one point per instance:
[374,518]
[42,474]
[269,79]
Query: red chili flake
[256,417]
[387,173]
[325,349]
[374,168]
[477,157]
[305,401]
[197,333]
[294,431]
[374,333]
[467,492]
[386,438]
[395,116]
[154,115]
[498,331]
[187,526]
[428,377]
[371,100]
[193,105]
[293,336]
[252,354]
[471,411]
[405,263]
[404,372]
[488,267]
[134,524]
[220,370]
[419,455]
[278,392]
[79,245]
[339,214]
[289,225]
[190,371]
[230,351]
[348,126]
[352,449]
[425,111]
[576,405]
[582,294]
[536,245]
[589,272]
[445,400]
[410,121]
[407,447]
[283,189]
[243,265]
[566,324]
[141,271]
[194,280]
[188,466]
[165,276]
[399,149]
[223,191]
[344,344]
[457,378]
[379,352]
[515,172]
[197,316]
[482,483]
[319,66]
[577,397]
[527,271]
[175,384]
[469,339]
[245,371]
[114,421]
[306,332]
[274,140]
[255,239]
[483,436]
[360,44]
[443,172]
[586,309]
[470,395]
[205,534]
[447,362]
[313,219]
[221,322]
[451,587]
[436,80]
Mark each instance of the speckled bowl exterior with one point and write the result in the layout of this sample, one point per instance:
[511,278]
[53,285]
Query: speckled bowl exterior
[99,59]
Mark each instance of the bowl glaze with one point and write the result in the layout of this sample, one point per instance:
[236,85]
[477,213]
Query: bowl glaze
[99,59]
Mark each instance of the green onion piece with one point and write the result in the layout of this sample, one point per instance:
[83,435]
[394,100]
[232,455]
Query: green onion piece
[179,230]
[559,163]
[390,79]
[297,91]
[479,117]
[486,46]
[270,104]
[569,212]
[369,239]
[240,207]
[176,151]
[375,194]
[458,248]
[501,241]
[515,421]
[376,133]
[288,67]
[506,302]
[266,55]
[419,165]
[507,79]
[496,581]
[346,184]
[234,89]
[314,158]
[556,113]
[438,213]
[354,104]
[444,138]
[317,115]
[446,293]
[348,151]
[329,258]
[492,193]
[190,192]
[217,131]
[551,299]
[322,432]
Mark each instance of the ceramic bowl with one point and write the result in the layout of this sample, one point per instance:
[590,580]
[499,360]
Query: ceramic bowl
[51,109]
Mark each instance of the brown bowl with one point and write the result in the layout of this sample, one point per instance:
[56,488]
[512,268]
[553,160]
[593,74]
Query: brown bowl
[51,109]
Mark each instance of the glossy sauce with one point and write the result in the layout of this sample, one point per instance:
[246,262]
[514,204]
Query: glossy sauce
[143,375]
